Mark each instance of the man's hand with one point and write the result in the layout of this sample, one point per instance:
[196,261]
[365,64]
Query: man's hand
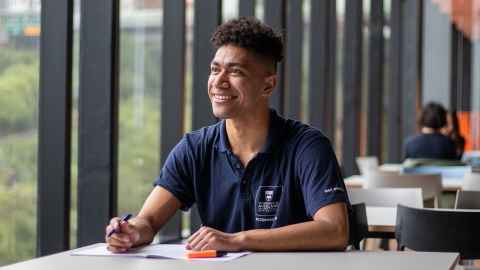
[159,207]
[208,238]
[124,238]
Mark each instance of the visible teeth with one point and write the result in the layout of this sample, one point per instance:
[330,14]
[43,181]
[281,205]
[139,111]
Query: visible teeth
[222,97]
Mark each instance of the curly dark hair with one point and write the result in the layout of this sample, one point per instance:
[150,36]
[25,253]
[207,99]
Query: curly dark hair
[251,34]
[433,116]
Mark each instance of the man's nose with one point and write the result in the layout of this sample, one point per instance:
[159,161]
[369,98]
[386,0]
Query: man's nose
[221,80]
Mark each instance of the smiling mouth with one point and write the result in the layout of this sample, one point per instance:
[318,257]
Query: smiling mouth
[222,98]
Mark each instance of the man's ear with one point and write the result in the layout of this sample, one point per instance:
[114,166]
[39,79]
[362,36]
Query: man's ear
[270,83]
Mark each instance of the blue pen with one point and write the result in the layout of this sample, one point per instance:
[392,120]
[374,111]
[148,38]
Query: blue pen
[125,218]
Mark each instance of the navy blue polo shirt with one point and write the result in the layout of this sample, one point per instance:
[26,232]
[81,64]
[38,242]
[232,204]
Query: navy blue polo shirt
[295,174]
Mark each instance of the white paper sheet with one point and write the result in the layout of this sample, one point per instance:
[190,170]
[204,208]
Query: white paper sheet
[154,251]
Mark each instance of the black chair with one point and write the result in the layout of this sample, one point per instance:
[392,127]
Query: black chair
[385,197]
[439,230]
[467,199]
[357,220]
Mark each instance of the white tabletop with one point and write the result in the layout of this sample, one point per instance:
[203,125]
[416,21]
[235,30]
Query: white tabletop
[448,184]
[279,260]
[392,167]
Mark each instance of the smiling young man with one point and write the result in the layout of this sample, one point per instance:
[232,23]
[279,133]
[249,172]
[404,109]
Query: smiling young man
[260,182]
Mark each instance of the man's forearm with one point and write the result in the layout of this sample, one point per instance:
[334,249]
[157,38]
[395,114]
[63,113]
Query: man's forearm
[327,231]
[159,207]
[311,235]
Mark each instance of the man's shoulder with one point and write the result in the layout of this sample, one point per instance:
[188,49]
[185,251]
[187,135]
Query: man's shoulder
[207,135]
[301,133]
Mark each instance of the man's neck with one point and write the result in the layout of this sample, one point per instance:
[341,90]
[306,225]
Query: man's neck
[247,135]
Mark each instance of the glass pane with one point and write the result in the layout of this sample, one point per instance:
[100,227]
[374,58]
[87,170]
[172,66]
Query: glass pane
[74,142]
[259,10]
[19,62]
[229,9]
[365,83]
[187,120]
[387,7]
[305,105]
[339,81]
[476,99]
[140,58]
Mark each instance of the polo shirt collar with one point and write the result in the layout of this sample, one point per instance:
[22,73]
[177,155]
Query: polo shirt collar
[223,144]
[273,137]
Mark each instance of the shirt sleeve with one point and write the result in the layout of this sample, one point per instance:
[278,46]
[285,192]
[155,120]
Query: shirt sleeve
[176,174]
[320,178]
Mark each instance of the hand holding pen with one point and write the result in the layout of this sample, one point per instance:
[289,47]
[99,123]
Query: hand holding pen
[116,229]
[120,234]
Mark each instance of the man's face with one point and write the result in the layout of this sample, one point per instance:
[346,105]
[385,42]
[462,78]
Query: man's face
[239,83]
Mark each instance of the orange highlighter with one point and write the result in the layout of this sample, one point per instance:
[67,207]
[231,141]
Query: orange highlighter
[205,254]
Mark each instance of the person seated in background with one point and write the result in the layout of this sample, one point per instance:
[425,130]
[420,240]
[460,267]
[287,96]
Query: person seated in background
[452,130]
[431,143]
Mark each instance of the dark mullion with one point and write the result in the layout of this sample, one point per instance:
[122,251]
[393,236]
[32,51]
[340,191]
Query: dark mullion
[275,17]
[293,65]
[208,15]
[410,68]
[454,70]
[172,94]
[55,108]
[394,133]
[330,94]
[375,79]
[352,77]
[466,75]
[461,72]
[406,20]
[246,8]
[98,119]
[321,90]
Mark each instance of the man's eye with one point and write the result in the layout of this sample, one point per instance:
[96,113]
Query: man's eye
[237,71]
[214,70]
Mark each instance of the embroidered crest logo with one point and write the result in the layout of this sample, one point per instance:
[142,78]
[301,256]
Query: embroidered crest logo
[267,200]
[268,195]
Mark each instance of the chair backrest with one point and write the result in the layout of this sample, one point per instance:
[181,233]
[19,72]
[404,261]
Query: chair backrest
[431,184]
[366,164]
[471,181]
[357,224]
[386,197]
[467,199]
[439,230]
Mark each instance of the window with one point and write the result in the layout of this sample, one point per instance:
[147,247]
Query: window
[139,118]
[19,71]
